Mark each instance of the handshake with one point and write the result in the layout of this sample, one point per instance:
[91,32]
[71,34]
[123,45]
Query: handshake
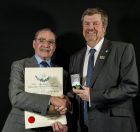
[59,105]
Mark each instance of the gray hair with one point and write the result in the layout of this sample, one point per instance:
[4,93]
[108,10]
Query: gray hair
[92,11]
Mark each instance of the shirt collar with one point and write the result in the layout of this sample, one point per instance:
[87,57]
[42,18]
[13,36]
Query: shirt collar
[39,60]
[97,47]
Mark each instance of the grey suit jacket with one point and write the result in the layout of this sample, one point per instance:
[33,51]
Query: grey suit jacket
[114,84]
[22,100]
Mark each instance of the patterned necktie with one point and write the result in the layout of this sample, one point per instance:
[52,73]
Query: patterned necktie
[89,77]
[44,64]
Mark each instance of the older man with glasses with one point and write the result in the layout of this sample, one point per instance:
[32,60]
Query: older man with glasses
[44,46]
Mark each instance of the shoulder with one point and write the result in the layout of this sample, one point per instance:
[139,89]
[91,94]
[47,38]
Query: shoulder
[79,52]
[21,62]
[119,44]
[122,47]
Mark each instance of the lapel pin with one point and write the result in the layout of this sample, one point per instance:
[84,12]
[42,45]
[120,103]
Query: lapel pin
[106,51]
[102,57]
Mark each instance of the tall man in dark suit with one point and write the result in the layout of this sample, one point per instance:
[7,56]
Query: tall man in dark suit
[111,83]
[44,46]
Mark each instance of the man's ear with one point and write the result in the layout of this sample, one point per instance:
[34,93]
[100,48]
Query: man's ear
[34,44]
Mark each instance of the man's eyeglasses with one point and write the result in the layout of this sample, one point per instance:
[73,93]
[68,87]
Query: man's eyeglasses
[44,41]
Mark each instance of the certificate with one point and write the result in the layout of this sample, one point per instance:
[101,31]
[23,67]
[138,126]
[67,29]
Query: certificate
[48,81]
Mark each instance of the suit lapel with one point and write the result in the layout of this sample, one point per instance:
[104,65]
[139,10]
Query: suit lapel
[81,62]
[31,62]
[101,59]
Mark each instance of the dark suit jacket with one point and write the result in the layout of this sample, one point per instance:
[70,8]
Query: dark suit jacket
[22,100]
[114,84]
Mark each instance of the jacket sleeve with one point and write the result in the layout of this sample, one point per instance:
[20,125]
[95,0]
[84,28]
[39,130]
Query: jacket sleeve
[127,82]
[21,99]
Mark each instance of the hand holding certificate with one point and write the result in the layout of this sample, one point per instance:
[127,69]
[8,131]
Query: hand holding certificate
[47,81]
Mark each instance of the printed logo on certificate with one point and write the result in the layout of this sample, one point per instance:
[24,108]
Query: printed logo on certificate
[48,81]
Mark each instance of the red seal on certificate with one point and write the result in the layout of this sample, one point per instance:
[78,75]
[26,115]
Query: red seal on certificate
[31,119]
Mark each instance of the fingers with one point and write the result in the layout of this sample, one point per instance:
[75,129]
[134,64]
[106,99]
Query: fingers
[57,101]
[62,104]
[62,96]
[58,127]
[78,91]
[83,94]
[62,110]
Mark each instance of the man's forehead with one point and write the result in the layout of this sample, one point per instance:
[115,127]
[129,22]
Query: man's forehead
[92,17]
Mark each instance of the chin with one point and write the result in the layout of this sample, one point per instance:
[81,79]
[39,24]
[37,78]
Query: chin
[45,57]
[90,40]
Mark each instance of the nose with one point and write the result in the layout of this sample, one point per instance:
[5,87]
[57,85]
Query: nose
[46,44]
[50,43]
[91,26]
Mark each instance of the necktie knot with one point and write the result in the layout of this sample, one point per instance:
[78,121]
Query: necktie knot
[44,64]
[92,51]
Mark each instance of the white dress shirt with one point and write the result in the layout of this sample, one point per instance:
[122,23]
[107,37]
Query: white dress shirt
[97,48]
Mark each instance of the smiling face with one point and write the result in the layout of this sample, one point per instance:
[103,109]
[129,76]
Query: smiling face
[93,29]
[44,44]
